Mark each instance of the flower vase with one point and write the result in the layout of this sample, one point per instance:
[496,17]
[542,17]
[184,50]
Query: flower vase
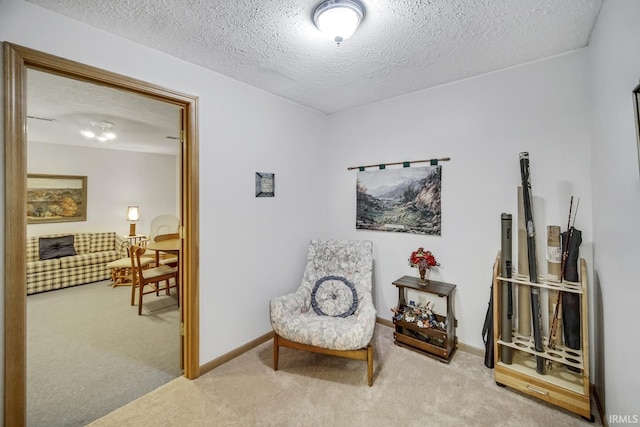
[423,273]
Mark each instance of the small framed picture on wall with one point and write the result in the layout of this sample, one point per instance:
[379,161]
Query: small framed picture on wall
[265,184]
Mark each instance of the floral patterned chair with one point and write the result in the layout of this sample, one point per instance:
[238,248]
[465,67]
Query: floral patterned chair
[332,311]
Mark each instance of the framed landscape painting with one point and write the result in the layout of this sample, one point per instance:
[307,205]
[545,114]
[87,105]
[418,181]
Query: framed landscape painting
[56,198]
[406,200]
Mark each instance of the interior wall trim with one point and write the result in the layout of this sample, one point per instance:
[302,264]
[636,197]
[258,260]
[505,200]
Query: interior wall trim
[219,361]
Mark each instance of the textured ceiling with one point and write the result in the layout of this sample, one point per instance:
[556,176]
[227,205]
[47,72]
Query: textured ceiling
[402,45]
[58,108]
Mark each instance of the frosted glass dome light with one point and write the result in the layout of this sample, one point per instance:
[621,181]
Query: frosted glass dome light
[338,19]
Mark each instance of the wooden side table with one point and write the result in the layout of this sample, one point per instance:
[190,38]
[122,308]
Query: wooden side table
[439,343]
[136,239]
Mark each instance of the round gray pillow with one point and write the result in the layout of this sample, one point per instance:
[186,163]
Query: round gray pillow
[334,296]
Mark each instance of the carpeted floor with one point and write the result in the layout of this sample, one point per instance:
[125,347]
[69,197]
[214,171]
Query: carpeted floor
[409,389]
[89,353]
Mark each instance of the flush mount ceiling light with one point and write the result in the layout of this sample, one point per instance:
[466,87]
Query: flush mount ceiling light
[102,131]
[338,19]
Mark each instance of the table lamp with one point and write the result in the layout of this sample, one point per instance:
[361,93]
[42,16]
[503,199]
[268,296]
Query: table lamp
[133,215]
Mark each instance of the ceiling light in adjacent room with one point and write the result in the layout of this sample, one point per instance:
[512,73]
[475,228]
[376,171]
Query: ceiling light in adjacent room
[102,131]
[338,19]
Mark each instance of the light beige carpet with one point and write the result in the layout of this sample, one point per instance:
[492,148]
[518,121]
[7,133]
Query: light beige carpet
[409,389]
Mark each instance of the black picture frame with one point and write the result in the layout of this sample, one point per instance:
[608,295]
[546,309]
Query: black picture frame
[265,184]
[636,106]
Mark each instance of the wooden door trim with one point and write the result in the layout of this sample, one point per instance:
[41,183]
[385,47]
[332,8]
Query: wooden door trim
[17,59]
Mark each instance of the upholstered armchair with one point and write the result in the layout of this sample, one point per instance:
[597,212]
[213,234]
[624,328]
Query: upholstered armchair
[332,311]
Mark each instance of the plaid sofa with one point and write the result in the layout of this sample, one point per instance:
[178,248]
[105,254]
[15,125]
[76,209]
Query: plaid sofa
[94,252]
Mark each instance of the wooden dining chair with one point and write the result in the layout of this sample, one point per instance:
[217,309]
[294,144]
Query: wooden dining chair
[169,259]
[147,254]
[149,280]
[166,258]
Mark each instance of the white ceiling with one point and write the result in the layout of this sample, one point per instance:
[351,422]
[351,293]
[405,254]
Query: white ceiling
[402,46]
[58,108]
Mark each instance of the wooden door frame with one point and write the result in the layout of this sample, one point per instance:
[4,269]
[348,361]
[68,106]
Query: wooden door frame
[17,59]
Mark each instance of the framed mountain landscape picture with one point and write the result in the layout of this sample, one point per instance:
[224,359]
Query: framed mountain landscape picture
[406,200]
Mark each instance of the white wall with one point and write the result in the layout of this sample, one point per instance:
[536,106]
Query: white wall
[483,124]
[614,56]
[115,180]
[250,248]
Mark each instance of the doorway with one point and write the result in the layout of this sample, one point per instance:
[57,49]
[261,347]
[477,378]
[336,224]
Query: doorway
[17,60]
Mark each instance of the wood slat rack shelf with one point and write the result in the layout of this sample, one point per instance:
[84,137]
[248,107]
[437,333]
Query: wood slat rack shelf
[559,386]
[437,342]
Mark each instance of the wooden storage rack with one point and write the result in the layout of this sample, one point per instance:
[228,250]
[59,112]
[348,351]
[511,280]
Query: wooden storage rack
[558,386]
[434,342]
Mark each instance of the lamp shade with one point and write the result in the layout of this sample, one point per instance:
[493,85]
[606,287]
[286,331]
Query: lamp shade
[133,213]
[338,19]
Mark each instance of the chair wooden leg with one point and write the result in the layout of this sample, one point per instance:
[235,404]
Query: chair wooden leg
[370,364]
[140,292]
[134,285]
[276,349]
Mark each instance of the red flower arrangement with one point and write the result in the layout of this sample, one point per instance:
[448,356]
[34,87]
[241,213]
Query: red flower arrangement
[424,260]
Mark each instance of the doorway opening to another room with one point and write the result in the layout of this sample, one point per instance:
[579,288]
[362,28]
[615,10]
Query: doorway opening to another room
[18,60]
